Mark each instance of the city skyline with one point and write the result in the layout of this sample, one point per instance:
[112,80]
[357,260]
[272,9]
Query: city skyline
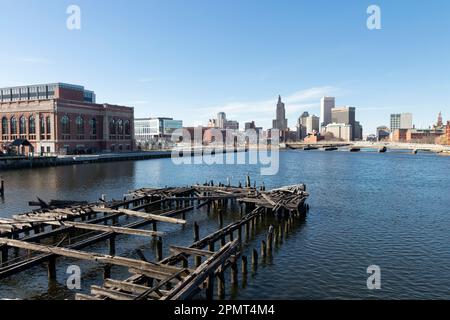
[194,68]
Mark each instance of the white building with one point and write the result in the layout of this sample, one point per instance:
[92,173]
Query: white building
[326,104]
[155,130]
[401,121]
[340,131]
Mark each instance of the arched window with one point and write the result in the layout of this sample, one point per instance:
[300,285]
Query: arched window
[48,125]
[5,126]
[65,125]
[22,125]
[120,126]
[127,128]
[80,125]
[93,125]
[31,125]
[13,125]
[112,127]
[42,125]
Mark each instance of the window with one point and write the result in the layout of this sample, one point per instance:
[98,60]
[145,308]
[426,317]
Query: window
[42,127]
[42,92]
[112,127]
[49,126]
[127,128]
[93,125]
[22,125]
[4,126]
[65,125]
[33,93]
[31,125]
[13,125]
[120,127]
[15,94]
[80,125]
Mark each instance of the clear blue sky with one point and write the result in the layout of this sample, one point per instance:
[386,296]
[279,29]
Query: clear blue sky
[190,59]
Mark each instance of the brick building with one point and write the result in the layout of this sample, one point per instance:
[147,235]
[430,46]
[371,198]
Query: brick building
[61,118]
[431,136]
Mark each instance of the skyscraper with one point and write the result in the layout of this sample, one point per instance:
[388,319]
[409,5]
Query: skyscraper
[280,122]
[301,125]
[312,124]
[221,120]
[345,115]
[326,104]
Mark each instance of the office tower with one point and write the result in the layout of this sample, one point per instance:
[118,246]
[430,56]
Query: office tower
[221,120]
[312,124]
[326,104]
[401,121]
[301,125]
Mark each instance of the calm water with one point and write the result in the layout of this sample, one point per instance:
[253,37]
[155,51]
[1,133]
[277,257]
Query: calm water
[391,210]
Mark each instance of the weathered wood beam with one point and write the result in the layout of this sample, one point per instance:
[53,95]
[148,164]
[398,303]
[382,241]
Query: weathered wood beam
[105,228]
[130,287]
[82,296]
[190,284]
[17,267]
[97,257]
[111,294]
[191,251]
[143,215]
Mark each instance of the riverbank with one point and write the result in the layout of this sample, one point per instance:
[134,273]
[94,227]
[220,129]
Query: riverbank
[18,162]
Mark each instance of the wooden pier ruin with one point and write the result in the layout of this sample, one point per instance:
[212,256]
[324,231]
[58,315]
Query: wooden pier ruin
[188,270]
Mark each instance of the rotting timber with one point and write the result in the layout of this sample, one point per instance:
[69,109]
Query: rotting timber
[169,278]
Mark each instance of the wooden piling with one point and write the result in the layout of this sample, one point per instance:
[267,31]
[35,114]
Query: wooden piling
[2,188]
[280,233]
[220,283]
[51,268]
[210,283]
[112,245]
[244,265]
[4,254]
[255,258]
[107,271]
[263,248]
[158,249]
[196,232]
[270,240]
[247,230]
[234,270]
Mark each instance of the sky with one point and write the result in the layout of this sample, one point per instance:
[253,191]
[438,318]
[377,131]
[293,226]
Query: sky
[189,59]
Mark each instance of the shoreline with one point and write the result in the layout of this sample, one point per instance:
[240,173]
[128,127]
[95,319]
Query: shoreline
[17,162]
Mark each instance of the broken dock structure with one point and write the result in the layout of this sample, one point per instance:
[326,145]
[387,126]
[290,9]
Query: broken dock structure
[46,234]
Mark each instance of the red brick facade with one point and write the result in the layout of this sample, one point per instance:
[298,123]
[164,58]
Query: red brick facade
[67,125]
[447,132]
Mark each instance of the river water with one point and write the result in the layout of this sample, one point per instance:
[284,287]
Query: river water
[391,210]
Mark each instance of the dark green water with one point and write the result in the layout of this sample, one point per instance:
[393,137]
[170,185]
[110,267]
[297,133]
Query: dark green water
[390,210]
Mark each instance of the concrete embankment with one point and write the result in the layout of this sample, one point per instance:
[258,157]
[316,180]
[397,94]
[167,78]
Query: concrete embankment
[7,163]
